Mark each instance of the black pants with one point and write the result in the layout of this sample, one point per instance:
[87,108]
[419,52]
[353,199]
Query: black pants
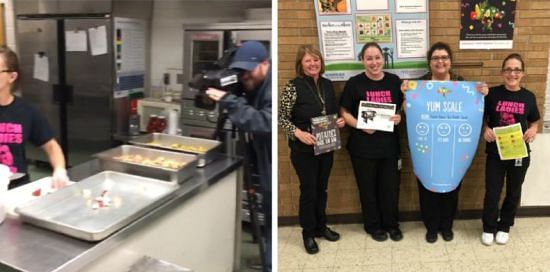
[378,183]
[313,172]
[437,210]
[495,172]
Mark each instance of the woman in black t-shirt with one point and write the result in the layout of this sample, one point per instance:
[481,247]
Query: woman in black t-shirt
[306,96]
[374,154]
[20,123]
[505,105]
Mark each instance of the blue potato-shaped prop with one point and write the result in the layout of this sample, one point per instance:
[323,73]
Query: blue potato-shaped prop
[444,121]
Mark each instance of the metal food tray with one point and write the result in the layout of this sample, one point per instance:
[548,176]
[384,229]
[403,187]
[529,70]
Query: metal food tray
[108,162]
[164,141]
[69,210]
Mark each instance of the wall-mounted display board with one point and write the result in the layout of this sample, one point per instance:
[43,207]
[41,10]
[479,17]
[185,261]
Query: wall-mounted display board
[400,27]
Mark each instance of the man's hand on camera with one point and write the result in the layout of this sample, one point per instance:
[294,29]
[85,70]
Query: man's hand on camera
[215,94]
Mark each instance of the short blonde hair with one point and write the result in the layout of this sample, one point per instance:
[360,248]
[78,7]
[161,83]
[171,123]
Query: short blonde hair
[302,51]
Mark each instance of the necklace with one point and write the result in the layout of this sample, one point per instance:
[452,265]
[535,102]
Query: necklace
[320,95]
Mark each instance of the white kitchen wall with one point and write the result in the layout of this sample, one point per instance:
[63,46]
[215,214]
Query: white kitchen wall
[536,187]
[169,16]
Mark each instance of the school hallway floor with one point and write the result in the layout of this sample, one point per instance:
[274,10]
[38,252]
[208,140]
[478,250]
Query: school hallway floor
[527,250]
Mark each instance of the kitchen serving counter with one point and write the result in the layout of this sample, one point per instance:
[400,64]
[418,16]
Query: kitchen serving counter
[199,229]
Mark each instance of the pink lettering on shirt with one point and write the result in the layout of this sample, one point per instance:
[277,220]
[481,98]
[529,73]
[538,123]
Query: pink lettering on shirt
[10,133]
[510,107]
[379,96]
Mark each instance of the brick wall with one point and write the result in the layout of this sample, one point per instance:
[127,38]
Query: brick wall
[297,25]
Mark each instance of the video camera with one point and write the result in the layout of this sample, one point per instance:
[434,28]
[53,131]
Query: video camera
[219,77]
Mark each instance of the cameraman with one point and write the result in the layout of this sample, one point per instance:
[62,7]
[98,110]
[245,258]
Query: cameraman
[252,114]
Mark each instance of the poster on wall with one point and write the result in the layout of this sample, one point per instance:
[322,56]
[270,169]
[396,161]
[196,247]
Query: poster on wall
[410,37]
[407,6]
[400,27]
[333,7]
[372,5]
[337,38]
[487,24]
[373,28]
[444,121]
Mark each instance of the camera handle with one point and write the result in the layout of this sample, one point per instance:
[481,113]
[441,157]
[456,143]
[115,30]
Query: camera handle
[244,143]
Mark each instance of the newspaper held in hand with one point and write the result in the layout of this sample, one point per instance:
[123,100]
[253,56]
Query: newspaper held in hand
[326,132]
[372,115]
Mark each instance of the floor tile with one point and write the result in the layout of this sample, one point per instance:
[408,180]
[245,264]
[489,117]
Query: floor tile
[351,257]
[460,252]
[364,268]
[528,250]
[492,265]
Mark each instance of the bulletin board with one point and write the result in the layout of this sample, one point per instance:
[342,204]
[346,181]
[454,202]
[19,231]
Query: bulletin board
[400,27]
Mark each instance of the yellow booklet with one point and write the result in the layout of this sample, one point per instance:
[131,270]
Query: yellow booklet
[510,142]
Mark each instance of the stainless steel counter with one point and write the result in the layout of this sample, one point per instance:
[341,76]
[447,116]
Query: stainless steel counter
[24,247]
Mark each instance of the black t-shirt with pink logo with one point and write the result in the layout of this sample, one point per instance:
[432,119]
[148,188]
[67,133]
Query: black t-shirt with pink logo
[380,144]
[20,123]
[504,107]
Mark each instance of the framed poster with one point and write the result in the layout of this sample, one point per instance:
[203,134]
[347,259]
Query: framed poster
[487,24]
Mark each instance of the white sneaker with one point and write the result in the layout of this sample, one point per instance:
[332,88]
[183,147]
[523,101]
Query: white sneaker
[502,237]
[487,238]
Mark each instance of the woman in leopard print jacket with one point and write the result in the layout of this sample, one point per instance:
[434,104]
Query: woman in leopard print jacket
[306,96]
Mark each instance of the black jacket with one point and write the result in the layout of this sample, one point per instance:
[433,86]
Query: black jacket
[308,104]
[253,115]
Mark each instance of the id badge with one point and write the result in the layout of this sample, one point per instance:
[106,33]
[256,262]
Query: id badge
[518,162]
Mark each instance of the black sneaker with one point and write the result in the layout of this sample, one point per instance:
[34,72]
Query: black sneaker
[395,234]
[447,235]
[431,237]
[328,234]
[379,235]
[310,245]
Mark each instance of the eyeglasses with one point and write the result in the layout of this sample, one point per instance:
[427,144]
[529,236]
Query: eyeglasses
[440,58]
[510,70]
[5,71]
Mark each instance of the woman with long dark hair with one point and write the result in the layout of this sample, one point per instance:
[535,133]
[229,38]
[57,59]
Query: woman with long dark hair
[375,154]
